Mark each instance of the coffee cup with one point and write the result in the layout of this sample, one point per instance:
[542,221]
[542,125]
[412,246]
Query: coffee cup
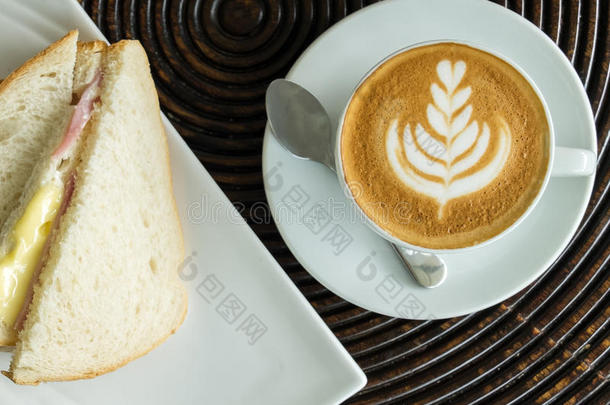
[493,138]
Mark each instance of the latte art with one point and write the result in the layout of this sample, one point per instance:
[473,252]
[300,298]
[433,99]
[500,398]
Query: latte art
[444,146]
[462,141]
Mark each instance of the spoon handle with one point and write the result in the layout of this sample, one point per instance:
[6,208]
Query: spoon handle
[428,270]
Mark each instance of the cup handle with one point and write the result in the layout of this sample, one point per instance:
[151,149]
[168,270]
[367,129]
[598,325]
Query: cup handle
[571,162]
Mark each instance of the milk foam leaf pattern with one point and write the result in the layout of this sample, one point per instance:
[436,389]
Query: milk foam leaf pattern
[415,158]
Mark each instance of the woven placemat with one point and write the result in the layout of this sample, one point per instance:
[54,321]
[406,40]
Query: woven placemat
[212,61]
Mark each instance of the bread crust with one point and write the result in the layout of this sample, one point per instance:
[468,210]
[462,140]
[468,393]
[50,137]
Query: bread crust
[90,46]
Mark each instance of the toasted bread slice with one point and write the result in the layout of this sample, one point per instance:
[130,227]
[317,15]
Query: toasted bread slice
[109,291]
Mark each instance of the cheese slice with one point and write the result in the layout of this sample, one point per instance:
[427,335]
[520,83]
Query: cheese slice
[28,240]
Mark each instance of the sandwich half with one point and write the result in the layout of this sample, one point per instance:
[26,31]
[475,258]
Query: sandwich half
[105,289]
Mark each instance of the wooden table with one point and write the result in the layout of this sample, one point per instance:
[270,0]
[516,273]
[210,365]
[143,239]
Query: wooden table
[212,61]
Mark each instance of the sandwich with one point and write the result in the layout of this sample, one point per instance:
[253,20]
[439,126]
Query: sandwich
[90,239]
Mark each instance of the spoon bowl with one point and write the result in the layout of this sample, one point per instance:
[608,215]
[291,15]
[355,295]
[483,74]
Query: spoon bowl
[299,122]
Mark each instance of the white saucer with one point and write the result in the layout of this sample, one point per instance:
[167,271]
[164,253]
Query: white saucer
[352,261]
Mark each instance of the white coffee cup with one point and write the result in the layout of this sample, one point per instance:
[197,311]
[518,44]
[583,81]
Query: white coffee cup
[562,162]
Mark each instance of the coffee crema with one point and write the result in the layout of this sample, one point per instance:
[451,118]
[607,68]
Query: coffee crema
[445,146]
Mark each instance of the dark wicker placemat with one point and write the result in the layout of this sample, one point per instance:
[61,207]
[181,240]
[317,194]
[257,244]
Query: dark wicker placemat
[212,61]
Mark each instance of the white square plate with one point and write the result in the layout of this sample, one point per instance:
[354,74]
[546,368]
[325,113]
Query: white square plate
[249,336]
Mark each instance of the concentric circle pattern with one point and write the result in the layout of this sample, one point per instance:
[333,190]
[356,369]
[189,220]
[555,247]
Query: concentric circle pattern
[212,61]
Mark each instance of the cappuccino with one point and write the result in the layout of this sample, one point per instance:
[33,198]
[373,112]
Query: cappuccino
[444,146]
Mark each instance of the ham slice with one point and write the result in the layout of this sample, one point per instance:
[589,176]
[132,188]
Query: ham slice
[80,116]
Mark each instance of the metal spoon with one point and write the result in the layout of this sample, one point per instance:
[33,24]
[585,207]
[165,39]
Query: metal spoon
[301,125]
